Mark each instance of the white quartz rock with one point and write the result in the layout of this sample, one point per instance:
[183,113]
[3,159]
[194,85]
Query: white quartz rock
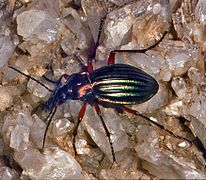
[163,163]
[7,173]
[95,128]
[6,97]
[60,165]
[53,163]
[143,22]
[6,49]
[179,86]
[200,11]
[37,24]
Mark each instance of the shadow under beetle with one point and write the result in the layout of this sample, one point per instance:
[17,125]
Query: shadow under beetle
[115,84]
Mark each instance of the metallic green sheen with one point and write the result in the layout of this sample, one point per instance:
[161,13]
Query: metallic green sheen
[123,84]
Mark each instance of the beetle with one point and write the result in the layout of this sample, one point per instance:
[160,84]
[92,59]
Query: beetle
[114,84]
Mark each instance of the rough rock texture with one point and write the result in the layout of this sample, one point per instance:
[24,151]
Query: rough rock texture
[49,38]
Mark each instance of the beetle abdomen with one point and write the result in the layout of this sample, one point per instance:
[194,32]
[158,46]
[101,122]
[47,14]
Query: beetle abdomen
[123,84]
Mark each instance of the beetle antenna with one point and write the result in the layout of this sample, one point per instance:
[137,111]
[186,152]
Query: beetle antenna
[106,130]
[51,115]
[31,78]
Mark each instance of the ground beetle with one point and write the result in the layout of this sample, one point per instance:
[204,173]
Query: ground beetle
[115,84]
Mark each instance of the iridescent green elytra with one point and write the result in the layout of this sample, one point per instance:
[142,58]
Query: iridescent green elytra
[123,84]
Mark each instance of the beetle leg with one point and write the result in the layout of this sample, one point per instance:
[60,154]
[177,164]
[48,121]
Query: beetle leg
[134,112]
[100,30]
[80,117]
[57,82]
[106,130]
[93,48]
[49,80]
[51,115]
[89,66]
[111,59]
[94,45]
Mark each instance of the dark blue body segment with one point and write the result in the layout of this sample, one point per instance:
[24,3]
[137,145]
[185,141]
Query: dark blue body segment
[122,84]
[77,87]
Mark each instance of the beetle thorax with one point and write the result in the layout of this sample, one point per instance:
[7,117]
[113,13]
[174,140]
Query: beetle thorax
[80,85]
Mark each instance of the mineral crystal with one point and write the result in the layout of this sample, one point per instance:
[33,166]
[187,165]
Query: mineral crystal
[50,38]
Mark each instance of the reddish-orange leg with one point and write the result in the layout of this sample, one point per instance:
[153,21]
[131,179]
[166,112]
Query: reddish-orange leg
[80,117]
[111,59]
